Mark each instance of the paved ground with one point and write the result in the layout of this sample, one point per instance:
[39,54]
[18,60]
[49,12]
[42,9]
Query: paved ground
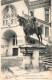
[10,61]
[16,73]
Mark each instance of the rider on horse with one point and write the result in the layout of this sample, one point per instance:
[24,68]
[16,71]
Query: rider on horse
[38,29]
[30,27]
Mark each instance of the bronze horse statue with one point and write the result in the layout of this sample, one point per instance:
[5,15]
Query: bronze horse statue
[30,27]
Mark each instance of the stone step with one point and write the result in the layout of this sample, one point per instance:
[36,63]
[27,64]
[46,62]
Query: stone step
[50,55]
[48,63]
[47,58]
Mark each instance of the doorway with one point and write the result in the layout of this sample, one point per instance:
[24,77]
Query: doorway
[15,51]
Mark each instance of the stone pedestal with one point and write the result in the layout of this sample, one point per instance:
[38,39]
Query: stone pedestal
[35,60]
[31,60]
[26,61]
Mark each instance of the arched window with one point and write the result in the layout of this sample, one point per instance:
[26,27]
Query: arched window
[14,40]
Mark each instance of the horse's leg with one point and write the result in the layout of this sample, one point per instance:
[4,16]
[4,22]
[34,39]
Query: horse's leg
[38,37]
[41,38]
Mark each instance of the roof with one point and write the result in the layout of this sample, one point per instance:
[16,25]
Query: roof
[37,3]
[31,4]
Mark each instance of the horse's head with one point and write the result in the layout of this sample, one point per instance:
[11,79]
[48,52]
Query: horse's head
[18,16]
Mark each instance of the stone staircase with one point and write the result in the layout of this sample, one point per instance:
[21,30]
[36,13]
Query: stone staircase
[47,60]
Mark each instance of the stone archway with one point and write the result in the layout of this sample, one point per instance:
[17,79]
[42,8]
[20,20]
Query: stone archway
[9,42]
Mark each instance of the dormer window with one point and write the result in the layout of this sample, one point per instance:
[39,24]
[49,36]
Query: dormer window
[9,13]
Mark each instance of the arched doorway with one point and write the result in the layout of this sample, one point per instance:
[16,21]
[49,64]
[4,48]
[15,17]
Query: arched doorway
[10,39]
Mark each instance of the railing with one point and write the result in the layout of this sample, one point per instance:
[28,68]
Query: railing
[44,22]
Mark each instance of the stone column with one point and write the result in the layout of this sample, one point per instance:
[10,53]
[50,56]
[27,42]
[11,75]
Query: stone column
[18,51]
[35,60]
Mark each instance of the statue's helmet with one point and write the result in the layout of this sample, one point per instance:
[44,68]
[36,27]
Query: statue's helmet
[31,12]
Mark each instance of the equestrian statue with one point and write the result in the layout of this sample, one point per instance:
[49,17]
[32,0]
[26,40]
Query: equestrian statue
[29,26]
